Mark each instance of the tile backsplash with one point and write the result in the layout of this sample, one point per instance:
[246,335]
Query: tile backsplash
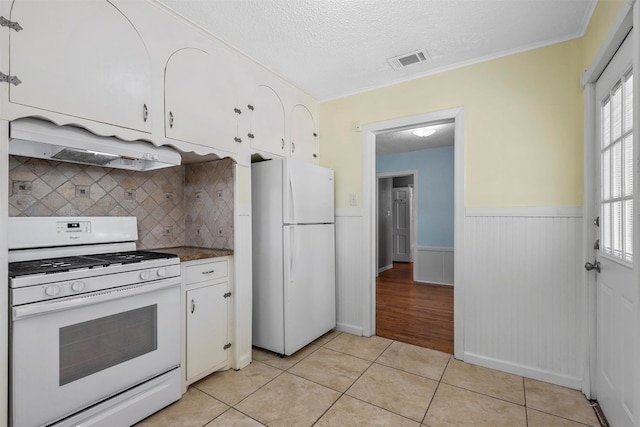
[190,205]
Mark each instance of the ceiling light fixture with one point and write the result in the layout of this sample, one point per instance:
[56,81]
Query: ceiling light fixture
[423,132]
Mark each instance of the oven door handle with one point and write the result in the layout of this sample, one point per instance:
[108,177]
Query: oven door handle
[37,309]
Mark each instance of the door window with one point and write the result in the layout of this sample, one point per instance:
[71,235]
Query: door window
[616,155]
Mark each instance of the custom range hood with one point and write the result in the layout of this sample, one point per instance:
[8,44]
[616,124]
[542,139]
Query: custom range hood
[45,140]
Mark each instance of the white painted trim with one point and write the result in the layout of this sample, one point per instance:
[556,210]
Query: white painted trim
[350,329]
[525,371]
[385,268]
[4,274]
[559,211]
[433,283]
[435,248]
[619,30]
[346,212]
[590,235]
[368,207]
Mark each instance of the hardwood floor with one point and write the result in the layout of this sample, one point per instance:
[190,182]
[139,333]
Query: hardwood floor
[414,313]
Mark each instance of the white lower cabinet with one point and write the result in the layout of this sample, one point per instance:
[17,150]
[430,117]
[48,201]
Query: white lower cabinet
[206,305]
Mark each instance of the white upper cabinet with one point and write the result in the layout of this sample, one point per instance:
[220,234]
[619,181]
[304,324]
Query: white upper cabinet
[304,139]
[80,58]
[201,101]
[266,122]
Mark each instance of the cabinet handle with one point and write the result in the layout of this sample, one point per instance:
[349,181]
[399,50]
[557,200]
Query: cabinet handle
[250,107]
[208,272]
[251,136]
[145,112]
[238,140]
[315,135]
[193,306]
[282,139]
[237,111]
[293,147]
[170,119]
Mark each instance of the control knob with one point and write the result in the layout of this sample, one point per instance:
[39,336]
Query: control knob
[77,286]
[52,290]
[161,272]
[144,275]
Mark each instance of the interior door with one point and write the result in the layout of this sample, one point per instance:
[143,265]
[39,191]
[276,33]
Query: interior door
[402,224]
[617,271]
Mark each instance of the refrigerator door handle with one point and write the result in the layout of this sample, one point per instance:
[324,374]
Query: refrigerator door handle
[292,252]
[292,203]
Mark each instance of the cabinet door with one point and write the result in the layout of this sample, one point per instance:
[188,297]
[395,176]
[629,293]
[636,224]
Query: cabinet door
[303,135]
[80,58]
[207,328]
[200,101]
[267,121]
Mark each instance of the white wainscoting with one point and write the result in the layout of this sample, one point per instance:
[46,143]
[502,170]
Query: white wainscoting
[351,283]
[524,298]
[434,265]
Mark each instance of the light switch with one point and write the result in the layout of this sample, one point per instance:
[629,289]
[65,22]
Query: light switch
[353,199]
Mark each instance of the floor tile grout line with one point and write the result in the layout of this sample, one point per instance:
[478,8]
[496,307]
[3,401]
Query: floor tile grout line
[424,417]
[526,407]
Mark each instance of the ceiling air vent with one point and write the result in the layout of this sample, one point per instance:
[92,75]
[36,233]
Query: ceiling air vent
[398,62]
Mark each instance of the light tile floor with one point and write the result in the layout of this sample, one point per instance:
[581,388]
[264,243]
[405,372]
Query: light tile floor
[346,380]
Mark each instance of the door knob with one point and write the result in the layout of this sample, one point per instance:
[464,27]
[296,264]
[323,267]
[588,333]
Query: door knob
[596,266]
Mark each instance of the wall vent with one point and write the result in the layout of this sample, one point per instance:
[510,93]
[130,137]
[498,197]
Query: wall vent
[416,57]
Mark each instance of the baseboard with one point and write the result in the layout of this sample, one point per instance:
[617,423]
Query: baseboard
[433,283]
[388,267]
[525,371]
[243,361]
[350,329]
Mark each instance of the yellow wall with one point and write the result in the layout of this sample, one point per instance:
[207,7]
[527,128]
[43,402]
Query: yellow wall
[523,117]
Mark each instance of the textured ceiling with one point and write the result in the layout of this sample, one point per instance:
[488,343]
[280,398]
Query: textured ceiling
[404,140]
[333,48]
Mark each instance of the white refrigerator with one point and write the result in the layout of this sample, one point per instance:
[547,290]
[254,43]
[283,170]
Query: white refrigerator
[294,296]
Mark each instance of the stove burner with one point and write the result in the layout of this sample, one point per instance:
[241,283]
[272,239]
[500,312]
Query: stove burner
[59,265]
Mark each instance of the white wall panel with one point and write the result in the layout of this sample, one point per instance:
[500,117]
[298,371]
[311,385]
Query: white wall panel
[524,310]
[434,265]
[350,278]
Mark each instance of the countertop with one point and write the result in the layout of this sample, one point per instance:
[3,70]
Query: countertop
[191,253]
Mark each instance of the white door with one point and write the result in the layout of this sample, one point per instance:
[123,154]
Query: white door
[617,279]
[402,224]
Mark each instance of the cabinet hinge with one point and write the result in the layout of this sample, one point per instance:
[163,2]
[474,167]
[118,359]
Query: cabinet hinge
[227,295]
[227,346]
[14,80]
[4,22]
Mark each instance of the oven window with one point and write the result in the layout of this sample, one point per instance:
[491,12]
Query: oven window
[90,347]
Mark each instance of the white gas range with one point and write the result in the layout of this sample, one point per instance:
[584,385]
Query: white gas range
[95,324]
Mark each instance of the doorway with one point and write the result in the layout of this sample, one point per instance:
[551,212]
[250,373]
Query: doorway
[397,210]
[401,276]
[615,264]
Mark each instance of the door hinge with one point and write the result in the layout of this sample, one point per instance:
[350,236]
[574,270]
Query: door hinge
[14,80]
[4,22]
[227,295]
[596,221]
[227,346]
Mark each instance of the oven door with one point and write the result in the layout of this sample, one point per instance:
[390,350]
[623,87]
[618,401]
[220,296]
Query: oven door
[71,353]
